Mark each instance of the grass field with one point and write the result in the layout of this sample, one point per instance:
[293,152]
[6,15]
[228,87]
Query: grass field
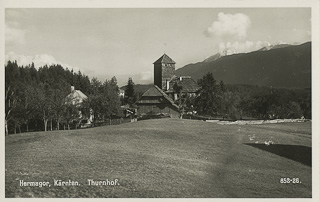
[163,158]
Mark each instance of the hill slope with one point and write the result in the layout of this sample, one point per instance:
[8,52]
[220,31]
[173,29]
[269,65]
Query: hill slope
[169,158]
[288,67]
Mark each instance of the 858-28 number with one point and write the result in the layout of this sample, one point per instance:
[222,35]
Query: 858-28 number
[287,180]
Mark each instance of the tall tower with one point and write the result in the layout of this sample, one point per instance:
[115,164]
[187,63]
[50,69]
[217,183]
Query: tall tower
[164,70]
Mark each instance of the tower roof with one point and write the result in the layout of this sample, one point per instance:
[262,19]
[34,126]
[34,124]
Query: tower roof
[164,59]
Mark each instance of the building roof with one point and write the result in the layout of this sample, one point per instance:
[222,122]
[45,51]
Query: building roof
[154,92]
[76,97]
[164,59]
[187,83]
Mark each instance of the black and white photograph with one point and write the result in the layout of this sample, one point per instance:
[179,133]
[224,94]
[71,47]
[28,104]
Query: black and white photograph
[169,101]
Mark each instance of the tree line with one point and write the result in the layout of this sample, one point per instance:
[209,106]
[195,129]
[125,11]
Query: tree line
[36,99]
[246,101]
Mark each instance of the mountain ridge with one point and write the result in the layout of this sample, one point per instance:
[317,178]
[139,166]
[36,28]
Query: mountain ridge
[288,67]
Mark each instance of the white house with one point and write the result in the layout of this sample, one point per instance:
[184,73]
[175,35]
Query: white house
[76,97]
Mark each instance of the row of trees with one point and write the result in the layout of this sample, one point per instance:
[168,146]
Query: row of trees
[244,101]
[36,99]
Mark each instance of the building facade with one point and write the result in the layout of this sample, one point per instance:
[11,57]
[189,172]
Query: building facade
[154,102]
[165,79]
[161,97]
[76,98]
[164,71]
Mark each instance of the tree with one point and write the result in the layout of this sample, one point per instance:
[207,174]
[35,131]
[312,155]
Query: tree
[113,94]
[178,89]
[207,99]
[11,102]
[222,86]
[129,92]
[70,113]
[95,86]
[29,104]
[104,101]
[294,110]
[59,105]
[230,105]
[260,105]
[45,106]
[185,101]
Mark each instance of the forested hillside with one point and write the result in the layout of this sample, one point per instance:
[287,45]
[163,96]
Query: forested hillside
[284,67]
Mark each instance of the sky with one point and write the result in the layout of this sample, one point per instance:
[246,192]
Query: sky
[123,42]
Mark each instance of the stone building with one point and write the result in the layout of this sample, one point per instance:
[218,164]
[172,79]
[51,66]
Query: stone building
[165,78]
[160,98]
[164,71]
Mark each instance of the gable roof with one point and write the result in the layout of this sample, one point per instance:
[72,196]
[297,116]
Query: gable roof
[164,59]
[76,97]
[187,83]
[155,91]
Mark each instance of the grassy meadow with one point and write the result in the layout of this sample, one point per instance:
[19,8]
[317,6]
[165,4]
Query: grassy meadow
[163,158]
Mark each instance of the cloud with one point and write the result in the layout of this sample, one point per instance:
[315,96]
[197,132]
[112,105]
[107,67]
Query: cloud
[14,35]
[231,30]
[38,60]
[229,26]
[229,48]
